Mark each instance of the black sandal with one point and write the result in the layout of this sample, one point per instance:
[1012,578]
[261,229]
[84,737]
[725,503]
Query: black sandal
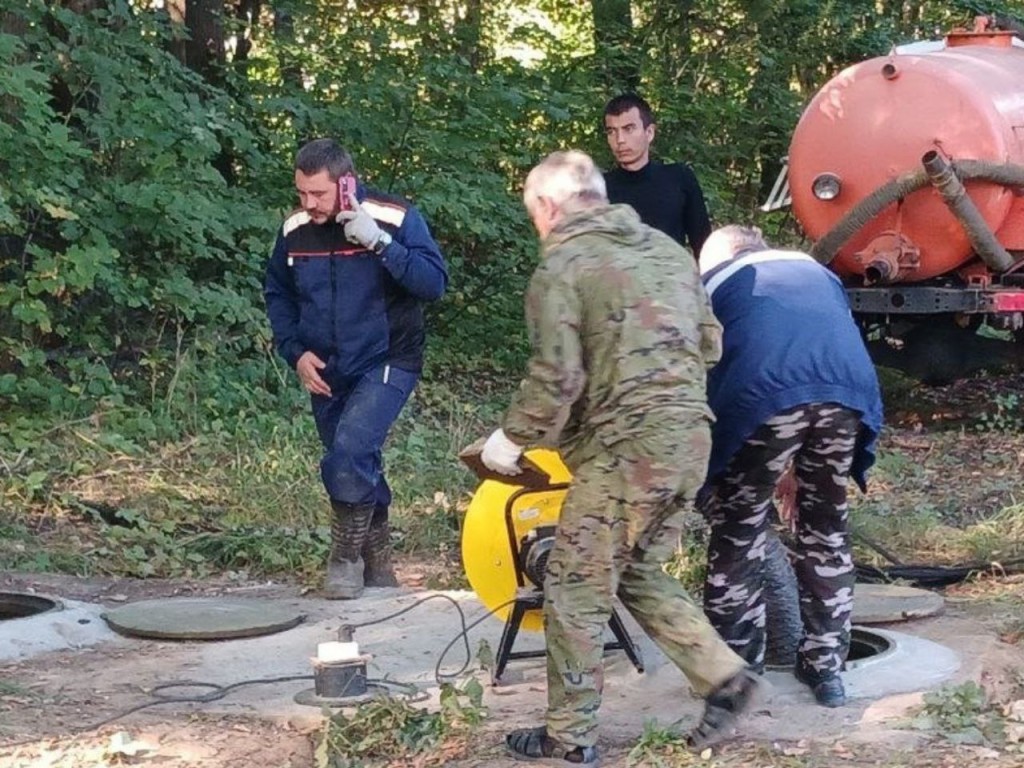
[535,744]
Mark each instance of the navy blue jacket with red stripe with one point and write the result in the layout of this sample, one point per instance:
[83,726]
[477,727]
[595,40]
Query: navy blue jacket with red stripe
[354,309]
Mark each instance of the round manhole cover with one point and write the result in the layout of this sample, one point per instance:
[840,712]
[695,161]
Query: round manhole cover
[16,605]
[885,603]
[188,618]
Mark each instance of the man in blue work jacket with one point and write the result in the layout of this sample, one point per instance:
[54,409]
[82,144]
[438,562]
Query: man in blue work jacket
[794,386]
[345,290]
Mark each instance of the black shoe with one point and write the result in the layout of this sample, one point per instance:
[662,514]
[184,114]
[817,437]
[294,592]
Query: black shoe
[535,744]
[723,706]
[828,689]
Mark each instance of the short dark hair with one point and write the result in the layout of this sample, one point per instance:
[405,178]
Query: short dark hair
[627,101]
[324,155]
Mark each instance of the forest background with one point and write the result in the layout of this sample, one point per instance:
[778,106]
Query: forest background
[146,426]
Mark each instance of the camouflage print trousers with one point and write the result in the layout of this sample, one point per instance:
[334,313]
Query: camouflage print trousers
[620,521]
[819,439]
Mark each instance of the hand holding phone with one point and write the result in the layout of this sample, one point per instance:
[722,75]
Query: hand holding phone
[346,189]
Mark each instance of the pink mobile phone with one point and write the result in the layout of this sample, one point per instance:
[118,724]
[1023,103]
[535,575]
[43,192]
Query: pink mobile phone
[346,187]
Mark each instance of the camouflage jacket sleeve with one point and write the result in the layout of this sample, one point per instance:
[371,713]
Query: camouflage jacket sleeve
[555,376]
[710,328]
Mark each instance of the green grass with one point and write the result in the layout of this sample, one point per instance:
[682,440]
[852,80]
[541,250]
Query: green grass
[204,485]
[241,498]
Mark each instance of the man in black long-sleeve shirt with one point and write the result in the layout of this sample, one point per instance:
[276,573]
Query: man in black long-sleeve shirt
[667,196]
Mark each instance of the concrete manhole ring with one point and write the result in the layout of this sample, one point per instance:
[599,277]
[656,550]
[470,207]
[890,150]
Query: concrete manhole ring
[869,644]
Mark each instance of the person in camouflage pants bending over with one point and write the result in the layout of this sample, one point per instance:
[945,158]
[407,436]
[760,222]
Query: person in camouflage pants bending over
[795,387]
[622,335]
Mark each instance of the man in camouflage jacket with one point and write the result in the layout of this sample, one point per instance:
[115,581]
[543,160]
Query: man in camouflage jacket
[622,334]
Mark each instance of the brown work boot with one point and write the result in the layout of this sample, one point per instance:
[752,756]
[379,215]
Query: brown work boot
[350,524]
[377,557]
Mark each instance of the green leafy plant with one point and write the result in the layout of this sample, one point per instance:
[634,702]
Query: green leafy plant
[688,563]
[962,714]
[660,746]
[391,731]
[1006,414]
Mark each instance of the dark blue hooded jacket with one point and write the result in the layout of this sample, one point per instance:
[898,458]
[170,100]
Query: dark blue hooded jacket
[354,309]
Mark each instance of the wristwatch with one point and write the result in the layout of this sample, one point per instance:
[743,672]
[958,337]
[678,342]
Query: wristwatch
[382,242]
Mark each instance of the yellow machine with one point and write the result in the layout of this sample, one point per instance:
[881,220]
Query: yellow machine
[500,517]
[506,539]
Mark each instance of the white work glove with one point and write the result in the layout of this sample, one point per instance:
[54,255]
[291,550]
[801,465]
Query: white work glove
[360,227]
[501,454]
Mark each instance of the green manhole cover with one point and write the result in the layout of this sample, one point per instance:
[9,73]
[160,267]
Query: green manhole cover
[200,618]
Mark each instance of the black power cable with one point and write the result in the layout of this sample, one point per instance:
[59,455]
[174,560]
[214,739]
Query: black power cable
[926,575]
[346,630]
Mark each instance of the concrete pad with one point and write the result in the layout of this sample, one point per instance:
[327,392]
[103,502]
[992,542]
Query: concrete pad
[77,625]
[406,649]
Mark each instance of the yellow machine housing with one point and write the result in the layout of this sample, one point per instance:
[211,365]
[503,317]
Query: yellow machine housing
[487,541]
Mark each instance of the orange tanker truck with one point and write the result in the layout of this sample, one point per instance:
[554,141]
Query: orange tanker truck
[907,173]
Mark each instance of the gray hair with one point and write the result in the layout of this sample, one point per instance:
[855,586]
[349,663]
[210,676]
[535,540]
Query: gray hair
[324,155]
[567,179]
[727,243]
[742,238]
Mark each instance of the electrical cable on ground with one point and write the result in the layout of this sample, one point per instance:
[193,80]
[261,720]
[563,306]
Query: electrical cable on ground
[925,575]
[218,691]
[463,634]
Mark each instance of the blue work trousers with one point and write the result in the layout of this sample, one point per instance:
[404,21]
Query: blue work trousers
[353,424]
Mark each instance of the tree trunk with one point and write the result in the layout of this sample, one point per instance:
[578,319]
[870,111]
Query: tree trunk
[614,49]
[284,35]
[248,15]
[176,14]
[468,34]
[16,26]
[204,50]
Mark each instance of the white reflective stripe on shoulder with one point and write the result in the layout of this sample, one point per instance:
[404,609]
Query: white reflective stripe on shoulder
[295,221]
[386,212]
[758,257]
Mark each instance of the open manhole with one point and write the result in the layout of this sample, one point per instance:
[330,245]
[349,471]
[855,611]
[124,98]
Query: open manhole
[15,605]
[865,644]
